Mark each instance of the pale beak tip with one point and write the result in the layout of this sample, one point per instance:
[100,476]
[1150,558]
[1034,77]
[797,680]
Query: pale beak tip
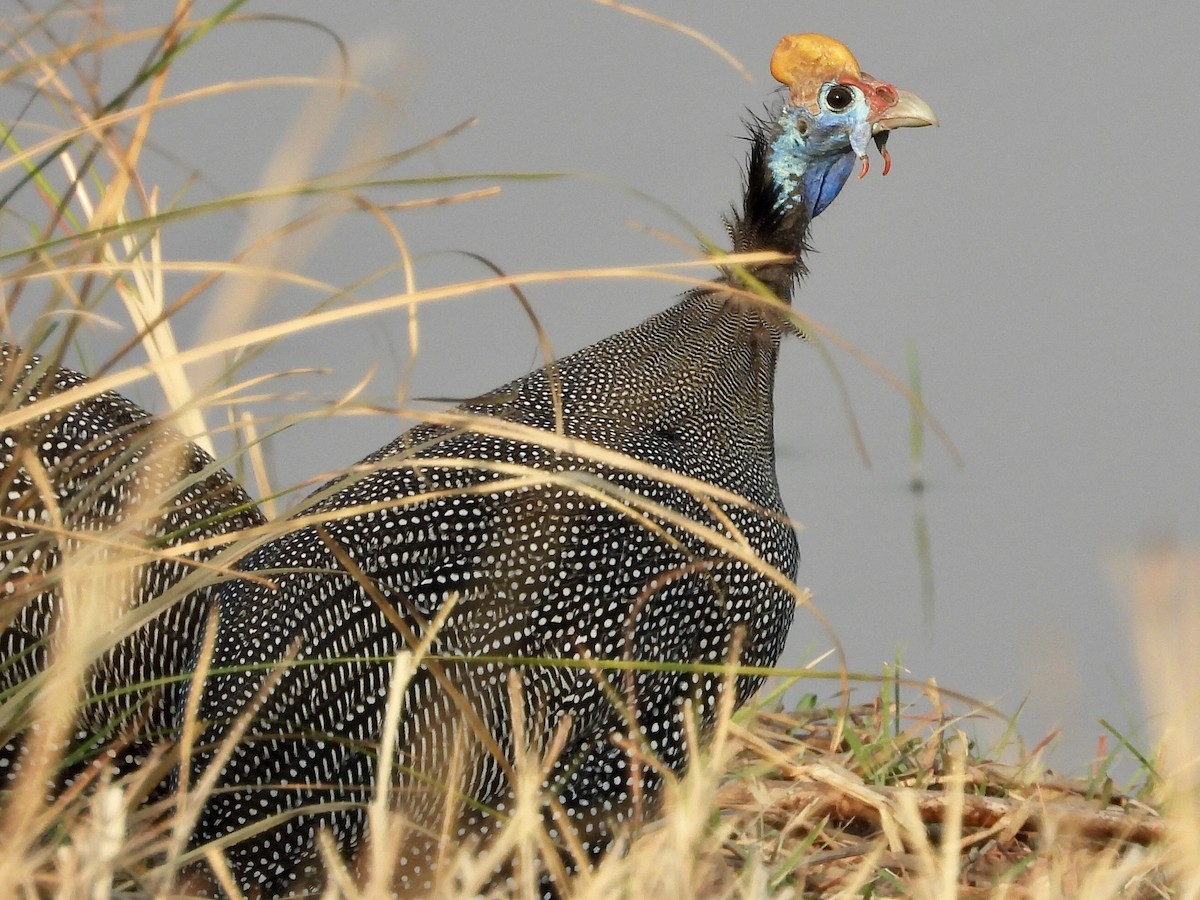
[909,111]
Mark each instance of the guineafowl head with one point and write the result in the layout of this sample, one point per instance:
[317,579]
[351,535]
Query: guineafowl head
[832,111]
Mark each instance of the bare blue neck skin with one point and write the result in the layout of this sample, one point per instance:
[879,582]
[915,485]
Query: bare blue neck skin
[812,155]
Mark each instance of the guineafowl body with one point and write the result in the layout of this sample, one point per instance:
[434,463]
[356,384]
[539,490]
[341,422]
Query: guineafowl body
[618,505]
[547,553]
[102,483]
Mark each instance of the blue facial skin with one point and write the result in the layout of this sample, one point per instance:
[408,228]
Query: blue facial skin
[813,154]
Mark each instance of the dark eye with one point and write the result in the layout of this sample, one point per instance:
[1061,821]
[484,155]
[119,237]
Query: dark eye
[839,98]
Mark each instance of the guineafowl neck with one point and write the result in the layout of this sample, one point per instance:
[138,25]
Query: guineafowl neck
[701,372]
[772,217]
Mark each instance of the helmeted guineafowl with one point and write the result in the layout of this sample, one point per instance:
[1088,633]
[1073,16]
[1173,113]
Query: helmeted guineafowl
[607,507]
[102,483]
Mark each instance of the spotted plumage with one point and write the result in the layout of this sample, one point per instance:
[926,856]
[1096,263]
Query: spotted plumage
[607,507]
[549,555]
[127,492]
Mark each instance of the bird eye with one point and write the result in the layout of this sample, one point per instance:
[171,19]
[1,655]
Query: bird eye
[838,98]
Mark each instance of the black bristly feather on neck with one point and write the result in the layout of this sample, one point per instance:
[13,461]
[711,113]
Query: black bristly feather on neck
[766,221]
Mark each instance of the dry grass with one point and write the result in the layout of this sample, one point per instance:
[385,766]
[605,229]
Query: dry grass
[809,799]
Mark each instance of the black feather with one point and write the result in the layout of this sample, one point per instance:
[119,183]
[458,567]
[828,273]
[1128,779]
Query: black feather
[766,221]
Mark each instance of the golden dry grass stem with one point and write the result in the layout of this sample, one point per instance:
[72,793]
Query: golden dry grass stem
[128,243]
[385,839]
[411,301]
[364,309]
[140,285]
[698,36]
[294,162]
[95,582]
[133,261]
[1165,586]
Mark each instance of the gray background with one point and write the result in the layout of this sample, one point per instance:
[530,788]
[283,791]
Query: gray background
[1039,249]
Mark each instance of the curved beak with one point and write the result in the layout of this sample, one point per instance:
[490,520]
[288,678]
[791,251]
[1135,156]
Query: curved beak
[909,111]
